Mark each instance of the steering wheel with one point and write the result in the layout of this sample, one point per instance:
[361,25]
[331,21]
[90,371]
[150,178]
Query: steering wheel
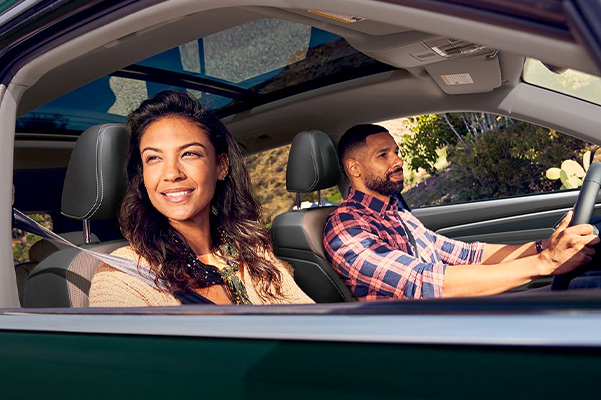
[583,211]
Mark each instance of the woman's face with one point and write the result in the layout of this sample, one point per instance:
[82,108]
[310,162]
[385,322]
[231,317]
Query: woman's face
[180,169]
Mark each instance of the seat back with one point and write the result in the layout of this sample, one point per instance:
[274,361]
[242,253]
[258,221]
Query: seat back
[39,251]
[94,187]
[297,235]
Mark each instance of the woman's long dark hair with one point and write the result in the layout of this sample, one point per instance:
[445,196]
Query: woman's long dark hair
[235,210]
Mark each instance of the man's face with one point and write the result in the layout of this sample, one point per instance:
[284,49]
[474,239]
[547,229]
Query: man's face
[381,166]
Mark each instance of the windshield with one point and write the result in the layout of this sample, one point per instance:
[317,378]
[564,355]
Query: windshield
[571,82]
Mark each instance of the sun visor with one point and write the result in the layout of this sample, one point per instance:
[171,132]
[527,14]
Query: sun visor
[477,74]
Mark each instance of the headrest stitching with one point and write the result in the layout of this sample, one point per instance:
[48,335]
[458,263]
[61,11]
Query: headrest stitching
[98,171]
[315,158]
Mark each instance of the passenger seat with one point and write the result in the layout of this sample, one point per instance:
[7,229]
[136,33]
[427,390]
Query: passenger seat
[94,187]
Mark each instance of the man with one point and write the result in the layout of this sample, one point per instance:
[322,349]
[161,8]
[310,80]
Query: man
[382,251]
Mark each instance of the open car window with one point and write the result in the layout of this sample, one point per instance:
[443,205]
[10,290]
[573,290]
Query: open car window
[471,156]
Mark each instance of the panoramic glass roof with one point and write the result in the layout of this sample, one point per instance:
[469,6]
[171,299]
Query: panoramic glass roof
[229,71]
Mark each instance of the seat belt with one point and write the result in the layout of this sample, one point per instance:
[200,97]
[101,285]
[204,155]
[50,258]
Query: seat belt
[411,239]
[140,271]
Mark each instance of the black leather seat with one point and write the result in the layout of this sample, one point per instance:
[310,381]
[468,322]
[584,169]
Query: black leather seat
[94,187]
[297,235]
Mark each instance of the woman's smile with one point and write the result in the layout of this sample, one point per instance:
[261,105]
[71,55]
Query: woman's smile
[177,195]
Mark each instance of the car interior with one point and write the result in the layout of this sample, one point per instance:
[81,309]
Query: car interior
[277,74]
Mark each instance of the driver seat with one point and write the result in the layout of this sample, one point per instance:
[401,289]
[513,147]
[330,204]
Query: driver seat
[297,235]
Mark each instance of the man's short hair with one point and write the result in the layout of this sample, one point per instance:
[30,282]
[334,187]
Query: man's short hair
[354,138]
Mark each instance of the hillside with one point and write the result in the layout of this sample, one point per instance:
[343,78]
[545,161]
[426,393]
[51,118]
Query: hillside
[267,172]
[268,175]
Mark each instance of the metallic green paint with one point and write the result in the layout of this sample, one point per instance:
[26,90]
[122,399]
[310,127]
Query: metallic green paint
[87,366]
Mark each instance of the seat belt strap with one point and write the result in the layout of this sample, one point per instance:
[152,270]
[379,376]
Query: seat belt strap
[140,271]
[411,239]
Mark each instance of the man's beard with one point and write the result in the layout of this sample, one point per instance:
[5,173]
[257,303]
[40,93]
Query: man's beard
[385,187]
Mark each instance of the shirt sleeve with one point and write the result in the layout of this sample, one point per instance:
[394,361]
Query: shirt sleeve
[372,267]
[452,252]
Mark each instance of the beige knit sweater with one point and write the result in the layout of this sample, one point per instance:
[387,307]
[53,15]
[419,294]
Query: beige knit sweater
[113,288]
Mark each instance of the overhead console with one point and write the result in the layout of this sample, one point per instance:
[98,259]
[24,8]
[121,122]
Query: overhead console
[457,66]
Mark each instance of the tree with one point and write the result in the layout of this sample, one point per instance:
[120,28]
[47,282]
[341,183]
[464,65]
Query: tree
[432,131]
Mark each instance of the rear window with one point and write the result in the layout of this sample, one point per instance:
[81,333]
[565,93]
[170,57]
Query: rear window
[22,241]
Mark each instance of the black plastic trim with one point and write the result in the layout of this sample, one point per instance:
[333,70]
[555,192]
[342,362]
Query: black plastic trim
[157,75]
[583,16]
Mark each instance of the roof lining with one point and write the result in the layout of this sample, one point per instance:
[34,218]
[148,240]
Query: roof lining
[39,72]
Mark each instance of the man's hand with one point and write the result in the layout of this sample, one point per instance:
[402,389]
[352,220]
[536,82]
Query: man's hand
[567,248]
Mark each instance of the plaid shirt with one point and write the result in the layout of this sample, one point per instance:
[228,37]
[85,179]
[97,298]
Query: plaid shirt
[366,243]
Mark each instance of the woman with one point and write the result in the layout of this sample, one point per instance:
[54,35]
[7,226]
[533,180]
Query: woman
[189,215]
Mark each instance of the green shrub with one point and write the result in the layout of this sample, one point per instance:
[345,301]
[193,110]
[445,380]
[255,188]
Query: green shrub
[22,241]
[432,132]
[429,133]
[508,161]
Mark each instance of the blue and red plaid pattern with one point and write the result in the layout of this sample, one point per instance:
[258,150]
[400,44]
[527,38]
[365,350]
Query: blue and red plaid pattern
[367,245]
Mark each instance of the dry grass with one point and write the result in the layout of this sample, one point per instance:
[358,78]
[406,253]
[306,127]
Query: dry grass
[268,176]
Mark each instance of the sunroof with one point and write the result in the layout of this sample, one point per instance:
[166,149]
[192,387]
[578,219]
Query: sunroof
[229,71]
[244,56]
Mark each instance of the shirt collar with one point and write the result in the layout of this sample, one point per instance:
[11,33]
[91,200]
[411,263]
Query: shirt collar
[374,203]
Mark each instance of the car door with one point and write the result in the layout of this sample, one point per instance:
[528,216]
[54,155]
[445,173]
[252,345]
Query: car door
[508,220]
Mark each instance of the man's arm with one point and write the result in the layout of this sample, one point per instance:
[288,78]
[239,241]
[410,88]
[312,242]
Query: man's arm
[567,249]
[362,258]
[499,253]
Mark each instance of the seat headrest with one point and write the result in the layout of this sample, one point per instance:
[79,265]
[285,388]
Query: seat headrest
[312,163]
[95,180]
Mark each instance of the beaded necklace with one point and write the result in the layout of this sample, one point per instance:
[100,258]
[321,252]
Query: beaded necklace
[208,275]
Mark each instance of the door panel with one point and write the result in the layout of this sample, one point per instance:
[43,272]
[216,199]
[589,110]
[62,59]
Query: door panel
[509,220]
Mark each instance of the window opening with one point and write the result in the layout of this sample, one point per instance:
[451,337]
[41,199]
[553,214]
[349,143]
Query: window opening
[460,157]
[22,241]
